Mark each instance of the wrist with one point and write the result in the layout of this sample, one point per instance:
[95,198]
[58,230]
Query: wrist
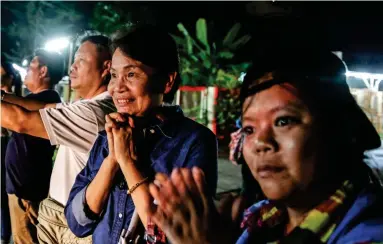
[126,161]
[111,163]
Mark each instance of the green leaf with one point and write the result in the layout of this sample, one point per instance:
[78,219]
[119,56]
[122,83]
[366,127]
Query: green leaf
[183,30]
[240,42]
[189,44]
[231,35]
[226,54]
[201,33]
[179,40]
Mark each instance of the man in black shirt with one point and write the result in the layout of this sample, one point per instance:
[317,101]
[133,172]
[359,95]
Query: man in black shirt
[28,159]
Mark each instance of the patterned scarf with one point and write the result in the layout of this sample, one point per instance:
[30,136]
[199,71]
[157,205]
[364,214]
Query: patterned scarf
[265,222]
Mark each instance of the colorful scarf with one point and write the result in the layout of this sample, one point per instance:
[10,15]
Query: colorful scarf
[265,222]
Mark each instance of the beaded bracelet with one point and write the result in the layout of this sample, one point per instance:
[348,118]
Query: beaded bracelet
[130,190]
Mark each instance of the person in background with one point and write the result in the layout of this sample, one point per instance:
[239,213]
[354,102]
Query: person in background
[28,159]
[72,126]
[10,82]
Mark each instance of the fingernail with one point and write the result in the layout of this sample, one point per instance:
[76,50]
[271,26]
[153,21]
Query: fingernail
[155,202]
[157,183]
[175,171]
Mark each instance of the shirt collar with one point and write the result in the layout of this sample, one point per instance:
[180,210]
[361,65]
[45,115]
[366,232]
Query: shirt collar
[170,114]
[100,96]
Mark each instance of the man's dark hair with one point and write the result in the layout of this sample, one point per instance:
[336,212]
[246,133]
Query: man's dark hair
[153,47]
[10,71]
[102,43]
[55,63]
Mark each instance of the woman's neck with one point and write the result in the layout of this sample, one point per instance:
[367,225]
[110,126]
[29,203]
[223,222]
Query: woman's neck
[299,206]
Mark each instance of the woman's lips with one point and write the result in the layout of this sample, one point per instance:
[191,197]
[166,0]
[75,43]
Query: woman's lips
[268,171]
[126,101]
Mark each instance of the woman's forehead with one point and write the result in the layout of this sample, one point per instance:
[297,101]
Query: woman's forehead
[275,98]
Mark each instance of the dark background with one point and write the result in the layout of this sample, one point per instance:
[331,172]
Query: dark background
[355,28]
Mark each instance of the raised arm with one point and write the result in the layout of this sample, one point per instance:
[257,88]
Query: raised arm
[21,120]
[75,125]
[29,104]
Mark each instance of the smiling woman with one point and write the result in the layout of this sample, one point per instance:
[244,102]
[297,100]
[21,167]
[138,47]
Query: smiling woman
[145,136]
[129,85]
[304,138]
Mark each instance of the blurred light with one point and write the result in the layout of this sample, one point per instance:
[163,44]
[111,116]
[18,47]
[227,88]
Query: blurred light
[25,62]
[242,77]
[362,75]
[21,70]
[57,44]
[372,81]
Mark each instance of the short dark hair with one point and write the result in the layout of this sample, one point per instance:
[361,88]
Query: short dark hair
[154,47]
[55,63]
[10,71]
[102,44]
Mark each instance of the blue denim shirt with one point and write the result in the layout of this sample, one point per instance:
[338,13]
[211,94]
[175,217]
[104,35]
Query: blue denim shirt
[179,143]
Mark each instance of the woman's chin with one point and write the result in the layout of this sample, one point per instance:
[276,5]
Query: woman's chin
[275,191]
[125,110]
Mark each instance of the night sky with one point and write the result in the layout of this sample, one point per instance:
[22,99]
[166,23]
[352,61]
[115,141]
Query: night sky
[356,28]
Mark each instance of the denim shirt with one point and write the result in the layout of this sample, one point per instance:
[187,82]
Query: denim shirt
[178,143]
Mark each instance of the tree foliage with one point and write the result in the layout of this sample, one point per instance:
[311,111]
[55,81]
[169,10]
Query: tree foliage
[34,22]
[211,63]
[108,17]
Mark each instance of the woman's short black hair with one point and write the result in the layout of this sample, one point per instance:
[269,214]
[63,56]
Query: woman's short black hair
[153,47]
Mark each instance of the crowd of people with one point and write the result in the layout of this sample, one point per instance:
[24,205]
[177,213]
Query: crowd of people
[131,168]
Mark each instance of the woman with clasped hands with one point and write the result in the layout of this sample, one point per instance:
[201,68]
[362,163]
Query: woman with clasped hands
[145,136]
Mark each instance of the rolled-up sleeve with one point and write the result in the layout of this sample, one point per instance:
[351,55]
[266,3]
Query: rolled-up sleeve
[79,223]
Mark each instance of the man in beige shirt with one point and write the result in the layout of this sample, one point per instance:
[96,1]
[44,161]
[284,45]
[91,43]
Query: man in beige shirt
[73,126]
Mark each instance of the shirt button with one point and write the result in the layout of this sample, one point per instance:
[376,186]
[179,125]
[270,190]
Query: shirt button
[152,131]
[120,215]
[121,185]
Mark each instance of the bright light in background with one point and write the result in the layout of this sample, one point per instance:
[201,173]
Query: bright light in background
[57,44]
[21,70]
[25,62]
[362,75]
[241,76]
[372,81]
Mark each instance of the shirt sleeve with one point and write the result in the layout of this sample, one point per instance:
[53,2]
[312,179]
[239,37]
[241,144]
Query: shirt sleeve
[204,155]
[79,223]
[75,126]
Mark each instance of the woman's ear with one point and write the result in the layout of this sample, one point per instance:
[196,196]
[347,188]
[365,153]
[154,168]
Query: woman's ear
[170,82]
